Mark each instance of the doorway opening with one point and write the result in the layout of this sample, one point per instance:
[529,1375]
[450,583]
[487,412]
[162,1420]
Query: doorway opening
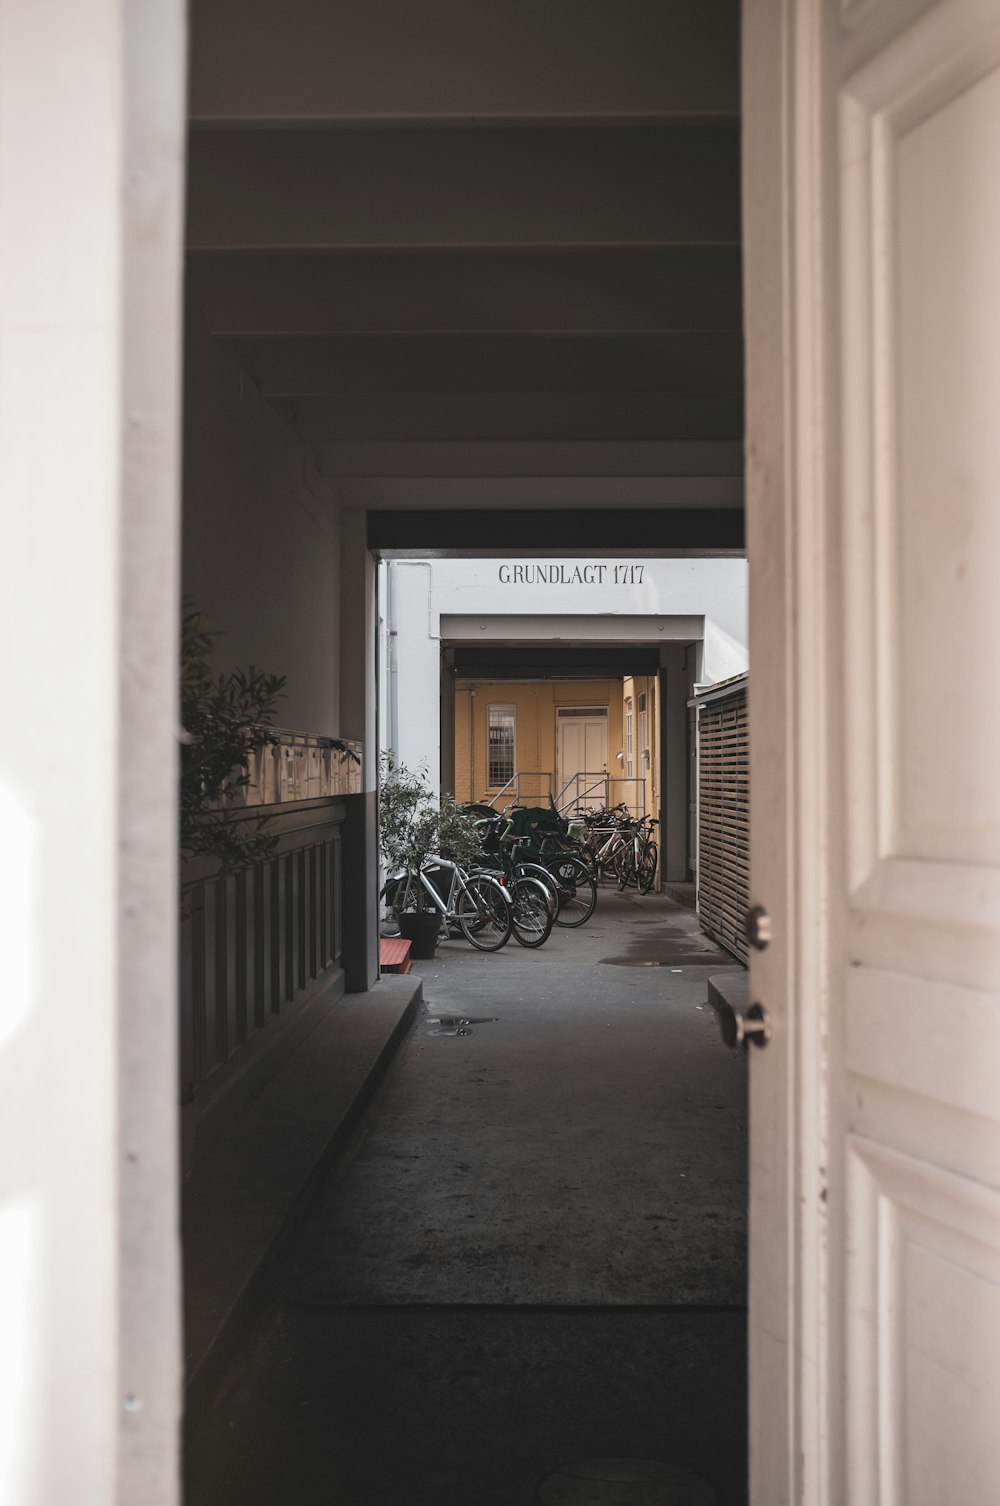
[510,333]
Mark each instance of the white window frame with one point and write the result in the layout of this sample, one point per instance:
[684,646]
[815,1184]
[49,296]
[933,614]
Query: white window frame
[509,713]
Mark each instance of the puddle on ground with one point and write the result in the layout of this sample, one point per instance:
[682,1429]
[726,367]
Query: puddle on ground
[454,1024]
[675,964]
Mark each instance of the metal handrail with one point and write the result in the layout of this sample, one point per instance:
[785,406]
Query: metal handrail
[607,785]
[514,783]
[599,783]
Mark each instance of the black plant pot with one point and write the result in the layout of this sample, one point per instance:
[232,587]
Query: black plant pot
[420,928]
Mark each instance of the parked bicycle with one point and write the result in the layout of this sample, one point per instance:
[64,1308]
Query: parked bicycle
[620,847]
[636,862]
[542,838]
[476,904]
[534,892]
[605,840]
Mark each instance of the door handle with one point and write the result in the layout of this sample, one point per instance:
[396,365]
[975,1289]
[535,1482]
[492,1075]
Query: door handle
[757,926]
[740,1027]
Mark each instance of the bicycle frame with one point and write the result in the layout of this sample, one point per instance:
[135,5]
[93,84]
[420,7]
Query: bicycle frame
[446,907]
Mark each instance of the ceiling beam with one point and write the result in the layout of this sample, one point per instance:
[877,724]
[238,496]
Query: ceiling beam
[676,360]
[513,459]
[598,531]
[595,663]
[379,59]
[664,184]
[529,492]
[528,415]
[579,289]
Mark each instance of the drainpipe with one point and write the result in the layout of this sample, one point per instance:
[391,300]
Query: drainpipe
[472,743]
[390,612]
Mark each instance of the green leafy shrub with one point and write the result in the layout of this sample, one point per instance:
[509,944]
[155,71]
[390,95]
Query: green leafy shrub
[414,824]
[226,720]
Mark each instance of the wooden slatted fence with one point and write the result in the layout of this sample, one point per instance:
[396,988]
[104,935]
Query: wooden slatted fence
[724,816]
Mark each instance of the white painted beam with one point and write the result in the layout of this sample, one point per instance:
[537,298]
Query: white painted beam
[591,629]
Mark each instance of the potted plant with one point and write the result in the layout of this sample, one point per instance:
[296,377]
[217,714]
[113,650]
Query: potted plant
[414,825]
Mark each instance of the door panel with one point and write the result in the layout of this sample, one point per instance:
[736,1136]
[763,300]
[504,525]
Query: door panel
[920,140]
[924,1311]
[571,755]
[876,559]
[583,748]
[596,746]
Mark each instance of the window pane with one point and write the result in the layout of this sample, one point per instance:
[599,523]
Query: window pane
[500,745]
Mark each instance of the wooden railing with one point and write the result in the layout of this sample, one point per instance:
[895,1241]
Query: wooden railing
[260,945]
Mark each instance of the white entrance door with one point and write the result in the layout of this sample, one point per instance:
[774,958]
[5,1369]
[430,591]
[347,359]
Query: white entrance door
[583,749]
[872,223]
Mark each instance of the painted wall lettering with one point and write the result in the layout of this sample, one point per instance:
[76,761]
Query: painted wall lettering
[547,574]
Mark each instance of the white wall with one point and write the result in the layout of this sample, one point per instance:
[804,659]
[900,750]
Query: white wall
[713,588]
[260,540]
[411,660]
[91,188]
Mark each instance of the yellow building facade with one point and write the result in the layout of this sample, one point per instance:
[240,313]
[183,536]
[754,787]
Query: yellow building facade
[639,765]
[582,741]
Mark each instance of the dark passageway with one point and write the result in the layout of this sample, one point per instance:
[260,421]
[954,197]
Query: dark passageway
[533,1253]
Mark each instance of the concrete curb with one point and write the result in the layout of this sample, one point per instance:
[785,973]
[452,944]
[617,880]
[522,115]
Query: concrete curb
[255,1184]
[731,987]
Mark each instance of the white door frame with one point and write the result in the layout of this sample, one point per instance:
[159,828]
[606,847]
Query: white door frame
[564,715]
[786,546]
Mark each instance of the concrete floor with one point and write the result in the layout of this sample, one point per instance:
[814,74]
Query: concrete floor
[534,1254]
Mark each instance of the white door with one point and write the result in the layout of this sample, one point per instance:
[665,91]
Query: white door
[872,233]
[583,749]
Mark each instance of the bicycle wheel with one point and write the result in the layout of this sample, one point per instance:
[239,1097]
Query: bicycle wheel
[485,914]
[577,890]
[391,902]
[543,876]
[532,915]
[625,867]
[647,867]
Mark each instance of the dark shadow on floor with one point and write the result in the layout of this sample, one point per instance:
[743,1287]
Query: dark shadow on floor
[472,1406]
[534,1254]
